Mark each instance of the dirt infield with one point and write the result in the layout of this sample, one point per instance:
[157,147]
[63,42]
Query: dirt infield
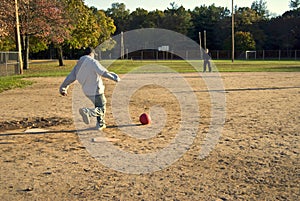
[256,157]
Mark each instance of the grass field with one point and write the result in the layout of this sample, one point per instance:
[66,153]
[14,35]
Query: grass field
[221,65]
[51,68]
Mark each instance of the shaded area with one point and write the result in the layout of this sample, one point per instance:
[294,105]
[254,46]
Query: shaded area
[249,89]
[60,131]
[34,122]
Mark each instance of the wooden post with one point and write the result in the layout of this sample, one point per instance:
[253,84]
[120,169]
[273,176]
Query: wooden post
[232,33]
[18,38]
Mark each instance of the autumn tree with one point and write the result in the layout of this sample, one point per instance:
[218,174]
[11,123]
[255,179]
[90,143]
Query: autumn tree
[105,23]
[38,19]
[4,15]
[7,30]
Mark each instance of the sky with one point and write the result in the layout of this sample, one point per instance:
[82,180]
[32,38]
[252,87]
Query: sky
[277,7]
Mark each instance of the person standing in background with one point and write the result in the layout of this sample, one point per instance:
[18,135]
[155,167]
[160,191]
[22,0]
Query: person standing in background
[206,61]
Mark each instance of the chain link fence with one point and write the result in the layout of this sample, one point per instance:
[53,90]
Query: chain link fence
[9,63]
[258,54]
[152,54]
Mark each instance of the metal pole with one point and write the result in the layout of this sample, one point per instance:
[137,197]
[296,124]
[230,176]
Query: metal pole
[122,45]
[18,38]
[200,42]
[200,45]
[232,33]
[204,40]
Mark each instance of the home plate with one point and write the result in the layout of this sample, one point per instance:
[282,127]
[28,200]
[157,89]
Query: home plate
[104,139]
[35,130]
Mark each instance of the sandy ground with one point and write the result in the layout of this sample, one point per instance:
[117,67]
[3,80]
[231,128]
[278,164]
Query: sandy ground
[256,157]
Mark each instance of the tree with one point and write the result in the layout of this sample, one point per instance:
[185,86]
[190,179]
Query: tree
[107,28]
[120,15]
[106,24]
[216,21]
[7,43]
[284,31]
[245,17]
[243,41]
[88,26]
[138,19]
[7,30]
[84,29]
[177,19]
[260,6]
[5,12]
[38,18]
[294,4]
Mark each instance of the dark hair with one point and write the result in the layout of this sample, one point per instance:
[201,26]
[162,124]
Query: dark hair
[89,50]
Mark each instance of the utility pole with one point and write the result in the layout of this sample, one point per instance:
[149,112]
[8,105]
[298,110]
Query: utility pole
[122,45]
[18,38]
[232,33]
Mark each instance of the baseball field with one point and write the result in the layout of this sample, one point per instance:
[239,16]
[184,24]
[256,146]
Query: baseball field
[256,156]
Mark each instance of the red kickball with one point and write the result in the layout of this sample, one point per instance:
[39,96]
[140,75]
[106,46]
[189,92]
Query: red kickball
[145,119]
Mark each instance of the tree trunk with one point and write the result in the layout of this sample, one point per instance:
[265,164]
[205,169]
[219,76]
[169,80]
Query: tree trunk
[60,55]
[25,51]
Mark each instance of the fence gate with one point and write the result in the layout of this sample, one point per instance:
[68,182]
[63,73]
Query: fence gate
[9,63]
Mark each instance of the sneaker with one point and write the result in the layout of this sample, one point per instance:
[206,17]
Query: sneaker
[100,126]
[85,115]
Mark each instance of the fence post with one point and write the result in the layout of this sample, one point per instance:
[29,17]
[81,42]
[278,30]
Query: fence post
[5,60]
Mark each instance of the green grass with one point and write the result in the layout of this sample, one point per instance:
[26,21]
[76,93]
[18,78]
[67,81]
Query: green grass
[36,69]
[51,68]
[222,66]
[123,67]
[258,66]
[11,82]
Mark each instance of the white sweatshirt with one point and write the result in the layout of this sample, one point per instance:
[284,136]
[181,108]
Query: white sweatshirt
[88,72]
